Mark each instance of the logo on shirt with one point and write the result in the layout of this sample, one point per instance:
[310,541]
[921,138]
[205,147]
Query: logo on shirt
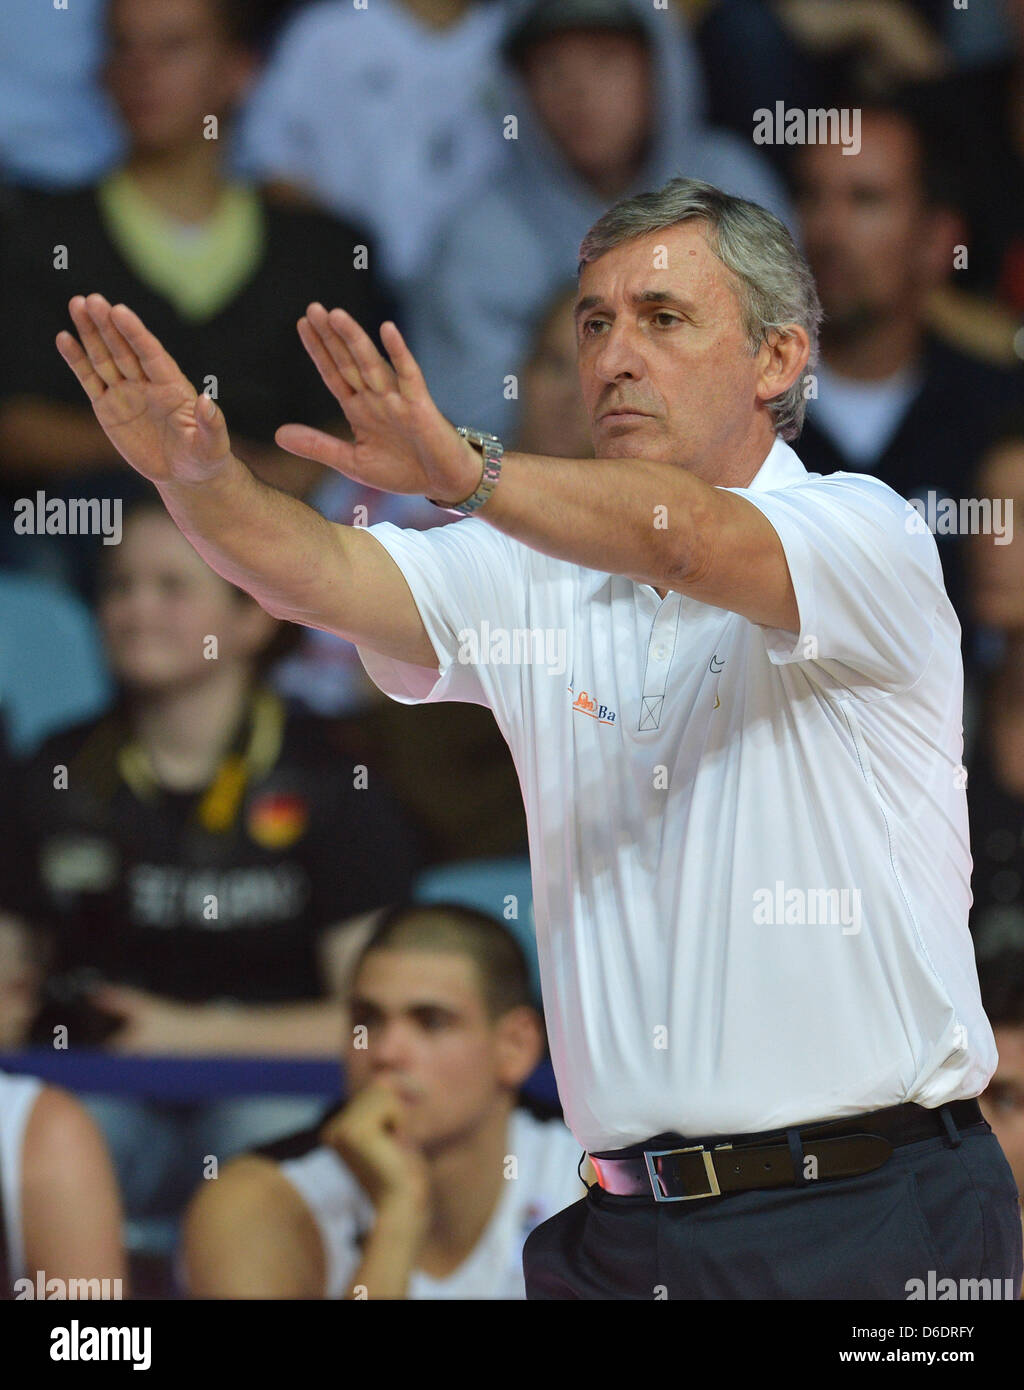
[716,666]
[171,896]
[71,863]
[585,703]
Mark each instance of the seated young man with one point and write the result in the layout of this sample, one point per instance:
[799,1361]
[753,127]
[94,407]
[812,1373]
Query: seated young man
[426,1183]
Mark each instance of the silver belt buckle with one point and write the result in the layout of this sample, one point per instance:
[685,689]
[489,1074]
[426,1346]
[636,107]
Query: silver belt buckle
[660,1195]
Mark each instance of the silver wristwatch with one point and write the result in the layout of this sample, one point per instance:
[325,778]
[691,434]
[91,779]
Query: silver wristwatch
[491,448]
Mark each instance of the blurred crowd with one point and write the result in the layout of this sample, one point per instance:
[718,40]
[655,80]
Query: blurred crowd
[216,837]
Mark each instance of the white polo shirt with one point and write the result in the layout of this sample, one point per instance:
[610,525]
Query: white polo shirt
[751,869]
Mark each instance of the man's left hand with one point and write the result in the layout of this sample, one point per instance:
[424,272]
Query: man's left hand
[401,441]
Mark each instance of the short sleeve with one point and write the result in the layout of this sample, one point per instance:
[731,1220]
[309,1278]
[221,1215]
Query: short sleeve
[469,583]
[867,577]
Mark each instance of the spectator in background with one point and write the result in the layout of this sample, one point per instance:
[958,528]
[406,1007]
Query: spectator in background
[201,854]
[994,755]
[979,118]
[428,1180]
[56,129]
[892,398]
[220,271]
[607,99]
[385,112]
[750,60]
[873,43]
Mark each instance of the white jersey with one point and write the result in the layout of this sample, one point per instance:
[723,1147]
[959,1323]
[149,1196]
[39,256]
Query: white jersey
[542,1181]
[18,1094]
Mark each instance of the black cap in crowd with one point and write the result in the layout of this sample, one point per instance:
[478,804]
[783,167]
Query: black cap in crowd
[549,17]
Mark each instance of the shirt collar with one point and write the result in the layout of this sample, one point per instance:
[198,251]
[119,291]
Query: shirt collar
[781,468]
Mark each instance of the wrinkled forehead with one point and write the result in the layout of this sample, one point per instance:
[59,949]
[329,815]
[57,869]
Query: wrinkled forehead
[674,265]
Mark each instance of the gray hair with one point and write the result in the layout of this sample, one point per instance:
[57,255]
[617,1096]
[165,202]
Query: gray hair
[775,286]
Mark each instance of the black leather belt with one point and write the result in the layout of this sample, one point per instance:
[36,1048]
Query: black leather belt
[826,1149]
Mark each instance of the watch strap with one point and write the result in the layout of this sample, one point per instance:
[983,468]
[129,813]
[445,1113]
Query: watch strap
[492,450]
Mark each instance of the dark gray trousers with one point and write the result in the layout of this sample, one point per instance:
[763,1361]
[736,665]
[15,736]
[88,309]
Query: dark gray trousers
[932,1212]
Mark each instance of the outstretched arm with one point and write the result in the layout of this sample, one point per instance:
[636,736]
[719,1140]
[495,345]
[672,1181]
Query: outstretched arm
[601,513]
[295,563]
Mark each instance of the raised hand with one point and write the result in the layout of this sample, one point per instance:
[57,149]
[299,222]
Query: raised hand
[402,442]
[148,410]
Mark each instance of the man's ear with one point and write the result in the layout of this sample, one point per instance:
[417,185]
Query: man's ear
[520,1045]
[782,358]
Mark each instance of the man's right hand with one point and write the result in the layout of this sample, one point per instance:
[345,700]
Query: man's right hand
[148,410]
[294,562]
[370,1135]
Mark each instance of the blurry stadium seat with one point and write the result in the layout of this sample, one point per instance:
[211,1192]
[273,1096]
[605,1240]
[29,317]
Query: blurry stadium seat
[52,671]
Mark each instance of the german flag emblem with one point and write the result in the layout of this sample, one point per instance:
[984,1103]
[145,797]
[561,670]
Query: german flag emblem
[276,820]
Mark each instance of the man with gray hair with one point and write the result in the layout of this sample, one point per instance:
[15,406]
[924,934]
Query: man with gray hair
[762,710]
